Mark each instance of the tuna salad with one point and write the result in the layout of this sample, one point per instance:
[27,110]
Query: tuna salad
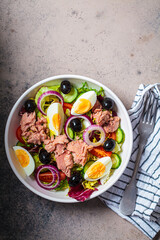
[69,138]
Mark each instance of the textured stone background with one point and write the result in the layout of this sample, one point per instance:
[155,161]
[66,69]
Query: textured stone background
[115,42]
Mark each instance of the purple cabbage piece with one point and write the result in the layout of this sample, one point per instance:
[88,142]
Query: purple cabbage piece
[34,149]
[99,182]
[114,114]
[79,193]
[22,111]
[100,98]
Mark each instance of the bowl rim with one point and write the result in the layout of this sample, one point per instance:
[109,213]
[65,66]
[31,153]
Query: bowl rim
[69,200]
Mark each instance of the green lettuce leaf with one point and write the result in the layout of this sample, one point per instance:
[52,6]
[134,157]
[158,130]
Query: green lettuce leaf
[36,160]
[77,168]
[86,88]
[118,148]
[78,134]
[63,185]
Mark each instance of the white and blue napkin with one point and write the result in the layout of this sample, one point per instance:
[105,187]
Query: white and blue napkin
[146,215]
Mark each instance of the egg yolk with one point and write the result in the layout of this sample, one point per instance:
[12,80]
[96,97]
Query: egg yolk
[23,157]
[96,170]
[56,119]
[83,106]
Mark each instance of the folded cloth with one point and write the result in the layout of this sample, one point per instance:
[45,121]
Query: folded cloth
[146,215]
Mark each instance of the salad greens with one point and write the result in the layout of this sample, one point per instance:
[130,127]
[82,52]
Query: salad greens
[86,88]
[63,185]
[37,160]
[78,180]
[90,185]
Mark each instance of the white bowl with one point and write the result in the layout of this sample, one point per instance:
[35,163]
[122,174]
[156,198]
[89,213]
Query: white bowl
[13,123]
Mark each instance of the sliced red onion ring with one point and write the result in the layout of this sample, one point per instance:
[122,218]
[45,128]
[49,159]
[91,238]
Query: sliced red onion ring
[55,173]
[85,117]
[48,93]
[89,130]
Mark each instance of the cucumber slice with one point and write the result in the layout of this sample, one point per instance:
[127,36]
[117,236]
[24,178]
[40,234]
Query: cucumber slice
[70,133]
[87,165]
[119,135]
[116,160]
[68,98]
[45,89]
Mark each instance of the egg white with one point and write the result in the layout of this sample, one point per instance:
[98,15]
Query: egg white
[91,96]
[31,166]
[53,109]
[108,164]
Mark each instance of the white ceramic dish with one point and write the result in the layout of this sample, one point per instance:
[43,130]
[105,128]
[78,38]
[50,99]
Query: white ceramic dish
[13,123]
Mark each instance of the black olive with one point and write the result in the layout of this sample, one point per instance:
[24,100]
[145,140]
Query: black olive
[75,179]
[29,105]
[65,86]
[109,144]
[44,156]
[108,103]
[76,125]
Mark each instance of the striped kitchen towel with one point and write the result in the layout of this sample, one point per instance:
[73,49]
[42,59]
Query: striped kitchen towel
[146,215]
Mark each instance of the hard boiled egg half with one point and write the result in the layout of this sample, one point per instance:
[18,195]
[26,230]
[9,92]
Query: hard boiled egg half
[99,169]
[55,118]
[84,103]
[25,159]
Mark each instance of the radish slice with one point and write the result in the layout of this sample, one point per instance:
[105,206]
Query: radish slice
[48,93]
[89,130]
[85,117]
[55,173]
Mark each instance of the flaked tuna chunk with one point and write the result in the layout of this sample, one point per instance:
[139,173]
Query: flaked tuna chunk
[34,131]
[61,139]
[63,157]
[37,137]
[60,149]
[101,117]
[34,138]
[79,150]
[112,125]
[56,145]
[65,162]
[43,135]
[28,120]
[33,128]
[97,105]
[49,140]
[39,127]
[41,121]
[50,147]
